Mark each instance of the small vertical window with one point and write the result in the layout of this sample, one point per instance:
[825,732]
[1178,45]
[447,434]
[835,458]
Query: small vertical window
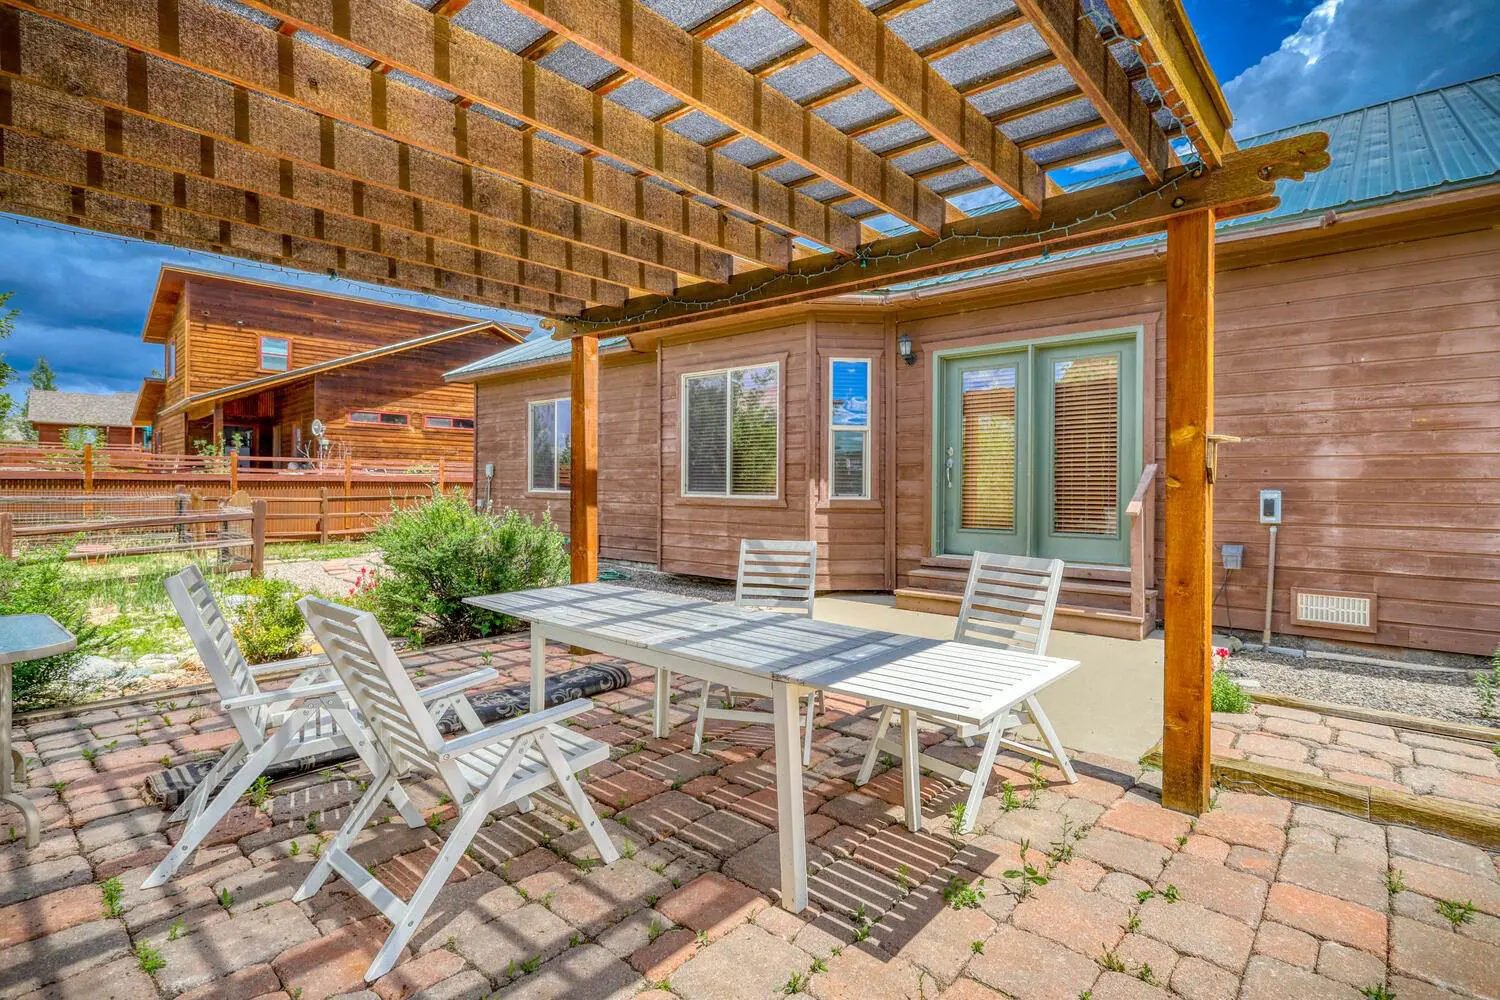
[275,354]
[549,450]
[171,359]
[849,429]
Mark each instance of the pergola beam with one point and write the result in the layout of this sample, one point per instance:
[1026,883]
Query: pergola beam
[1127,208]
[297,153]
[139,219]
[638,39]
[210,40]
[1180,71]
[1069,32]
[867,49]
[478,70]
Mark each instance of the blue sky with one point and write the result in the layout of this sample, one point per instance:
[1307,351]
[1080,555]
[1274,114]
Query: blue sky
[82,298]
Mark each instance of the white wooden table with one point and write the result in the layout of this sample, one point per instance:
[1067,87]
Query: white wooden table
[782,657]
[23,638]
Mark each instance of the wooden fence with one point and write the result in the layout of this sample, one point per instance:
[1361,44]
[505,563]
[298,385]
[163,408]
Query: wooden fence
[306,500]
[101,530]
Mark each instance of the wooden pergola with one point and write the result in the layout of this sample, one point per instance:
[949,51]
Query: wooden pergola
[626,167]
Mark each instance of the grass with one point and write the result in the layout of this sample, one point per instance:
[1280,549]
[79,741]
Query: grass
[1455,912]
[111,892]
[149,958]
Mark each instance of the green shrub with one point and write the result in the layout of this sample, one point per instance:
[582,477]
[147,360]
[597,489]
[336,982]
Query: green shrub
[442,550]
[268,625]
[1227,696]
[38,584]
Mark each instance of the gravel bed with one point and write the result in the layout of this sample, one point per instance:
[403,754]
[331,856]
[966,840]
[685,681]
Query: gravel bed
[627,575]
[1433,692]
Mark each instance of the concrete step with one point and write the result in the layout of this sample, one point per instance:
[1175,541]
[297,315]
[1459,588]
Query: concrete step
[1067,617]
[1102,593]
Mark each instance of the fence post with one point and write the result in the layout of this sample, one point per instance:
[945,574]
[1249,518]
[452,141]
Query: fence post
[442,481]
[257,538]
[7,533]
[88,468]
[348,488]
[234,473]
[322,515]
[182,502]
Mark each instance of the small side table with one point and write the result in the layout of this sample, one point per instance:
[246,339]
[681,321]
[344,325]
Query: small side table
[23,638]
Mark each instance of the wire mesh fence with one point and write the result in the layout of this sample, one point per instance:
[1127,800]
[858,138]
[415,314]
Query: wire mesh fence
[230,535]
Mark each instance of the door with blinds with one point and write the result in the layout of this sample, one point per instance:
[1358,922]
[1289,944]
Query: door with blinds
[1039,449]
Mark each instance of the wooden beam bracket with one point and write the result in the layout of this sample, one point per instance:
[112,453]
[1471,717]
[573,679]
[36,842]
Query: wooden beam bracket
[1211,444]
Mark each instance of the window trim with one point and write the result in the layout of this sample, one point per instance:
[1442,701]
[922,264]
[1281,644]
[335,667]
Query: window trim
[405,423]
[868,430]
[170,361]
[555,490]
[260,352]
[777,362]
[428,426]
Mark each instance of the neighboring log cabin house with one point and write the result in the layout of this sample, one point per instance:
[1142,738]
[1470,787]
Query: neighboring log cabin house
[254,365]
[1021,409]
[77,418]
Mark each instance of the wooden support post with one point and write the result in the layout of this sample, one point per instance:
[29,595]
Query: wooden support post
[442,475]
[7,534]
[583,522]
[1189,512]
[257,539]
[88,468]
[218,432]
[234,473]
[348,489]
[322,515]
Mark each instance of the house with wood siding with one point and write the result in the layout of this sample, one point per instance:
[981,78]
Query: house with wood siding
[1020,408]
[290,372]
[103,418]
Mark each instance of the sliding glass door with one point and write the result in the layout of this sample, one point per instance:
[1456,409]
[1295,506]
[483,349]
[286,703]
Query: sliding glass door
[1037,449]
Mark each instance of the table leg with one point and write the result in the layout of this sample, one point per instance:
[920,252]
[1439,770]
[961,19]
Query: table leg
[663,704]
[538,668]
[789,798]
[911,771]
[30,819]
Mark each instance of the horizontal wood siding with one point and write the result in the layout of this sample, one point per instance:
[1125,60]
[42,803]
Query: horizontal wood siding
[702,537]
[628,450]
[117,437]
[226,320]
[851,534]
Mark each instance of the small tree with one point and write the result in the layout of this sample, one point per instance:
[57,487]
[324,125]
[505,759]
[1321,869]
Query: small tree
[43,378]
[7,327]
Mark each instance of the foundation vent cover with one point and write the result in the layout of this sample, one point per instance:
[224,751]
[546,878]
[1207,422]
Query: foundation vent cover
[1334,609]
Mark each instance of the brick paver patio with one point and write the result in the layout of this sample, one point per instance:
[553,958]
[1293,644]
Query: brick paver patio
[1256,899]
[1364,753]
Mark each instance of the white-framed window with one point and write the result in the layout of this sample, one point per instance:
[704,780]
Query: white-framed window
[549,451]
[275,354]
[849,428]
[731,432]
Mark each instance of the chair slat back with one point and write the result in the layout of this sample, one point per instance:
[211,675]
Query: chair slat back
[777,574]
[387,699]
[214,641]
[1009,601]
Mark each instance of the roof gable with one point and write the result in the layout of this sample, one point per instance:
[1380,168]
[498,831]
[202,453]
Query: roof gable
[81,409]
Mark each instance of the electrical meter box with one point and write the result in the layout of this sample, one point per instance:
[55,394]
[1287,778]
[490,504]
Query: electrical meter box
[1270,506]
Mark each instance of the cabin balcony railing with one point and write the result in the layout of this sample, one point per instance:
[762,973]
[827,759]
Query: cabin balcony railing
[1141,510]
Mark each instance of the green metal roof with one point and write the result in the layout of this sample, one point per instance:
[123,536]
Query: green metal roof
[1440,140]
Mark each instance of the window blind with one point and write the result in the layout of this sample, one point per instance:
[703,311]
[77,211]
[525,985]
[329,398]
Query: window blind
[731,433]
[849,425]
[989,457]
[1086,445]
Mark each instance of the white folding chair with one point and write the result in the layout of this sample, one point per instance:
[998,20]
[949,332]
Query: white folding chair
[1008,602]
[780,576]
[308,718]
[483,769]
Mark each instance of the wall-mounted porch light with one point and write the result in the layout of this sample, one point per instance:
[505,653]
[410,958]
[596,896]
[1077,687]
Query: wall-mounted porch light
[903,345]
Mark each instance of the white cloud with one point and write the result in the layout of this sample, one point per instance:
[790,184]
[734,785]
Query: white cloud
[1349,53]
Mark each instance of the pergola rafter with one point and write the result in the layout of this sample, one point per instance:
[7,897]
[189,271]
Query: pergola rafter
[654,49]
[205,38]
[863,46]
[304,157]
[478,70]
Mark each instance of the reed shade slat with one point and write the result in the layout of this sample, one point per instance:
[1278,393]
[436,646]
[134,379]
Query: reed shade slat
[989,443]
[733,432]
[1086,445]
